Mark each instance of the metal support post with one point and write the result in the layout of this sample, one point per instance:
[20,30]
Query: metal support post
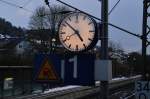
[144,37]
[23,81]
[104,44]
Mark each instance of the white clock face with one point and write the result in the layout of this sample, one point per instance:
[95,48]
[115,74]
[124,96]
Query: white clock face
[77,32]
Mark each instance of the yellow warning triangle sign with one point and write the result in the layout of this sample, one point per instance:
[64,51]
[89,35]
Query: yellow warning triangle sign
[47,71]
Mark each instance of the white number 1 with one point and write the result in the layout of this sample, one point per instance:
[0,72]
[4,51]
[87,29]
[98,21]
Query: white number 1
[74,60]
[62,69]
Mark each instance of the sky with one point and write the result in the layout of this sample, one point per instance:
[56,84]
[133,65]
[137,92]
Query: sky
[128,15]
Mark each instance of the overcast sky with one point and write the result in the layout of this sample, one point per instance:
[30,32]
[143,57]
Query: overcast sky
[128,15]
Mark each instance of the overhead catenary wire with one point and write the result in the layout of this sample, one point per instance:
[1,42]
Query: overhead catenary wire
[21,7]
[15,5]
[27,3]
[122,29]
[114,7]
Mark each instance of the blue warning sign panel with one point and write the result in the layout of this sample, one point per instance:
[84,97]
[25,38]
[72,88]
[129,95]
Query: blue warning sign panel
[70,69]
[47,68]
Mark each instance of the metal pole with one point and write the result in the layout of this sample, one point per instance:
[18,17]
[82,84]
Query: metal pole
[104,44]
[23,82]
[2,84]
[144,38]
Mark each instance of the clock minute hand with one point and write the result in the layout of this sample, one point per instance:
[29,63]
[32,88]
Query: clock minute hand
[70,26]
[77,32]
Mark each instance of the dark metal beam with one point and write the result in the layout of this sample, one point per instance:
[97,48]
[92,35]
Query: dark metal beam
[104,45]
[145,42]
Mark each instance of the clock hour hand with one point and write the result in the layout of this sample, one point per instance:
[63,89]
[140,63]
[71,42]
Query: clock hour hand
[77,32]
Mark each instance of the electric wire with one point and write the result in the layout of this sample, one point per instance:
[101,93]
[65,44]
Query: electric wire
[21,7]
[114,7]
[122,29]
[27,3]
[15,5]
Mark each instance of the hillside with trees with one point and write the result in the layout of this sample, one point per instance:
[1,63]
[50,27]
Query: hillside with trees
[6,28]
[10,36]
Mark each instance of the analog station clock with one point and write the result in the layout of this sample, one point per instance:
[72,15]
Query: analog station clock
[77,32]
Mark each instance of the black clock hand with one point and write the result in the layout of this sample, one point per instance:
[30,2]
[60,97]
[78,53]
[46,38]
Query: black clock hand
[68,37]
[70,26]
[76,32]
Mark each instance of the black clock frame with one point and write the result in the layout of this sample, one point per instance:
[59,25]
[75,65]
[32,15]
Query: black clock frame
[94,41]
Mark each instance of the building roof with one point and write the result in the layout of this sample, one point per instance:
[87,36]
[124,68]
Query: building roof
[8,42]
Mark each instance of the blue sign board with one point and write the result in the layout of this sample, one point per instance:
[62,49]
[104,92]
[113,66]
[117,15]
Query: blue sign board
[79,70]
[72,69]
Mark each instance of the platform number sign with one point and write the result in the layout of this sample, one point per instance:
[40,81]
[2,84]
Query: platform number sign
[142,89]
[78,69]
[66,69]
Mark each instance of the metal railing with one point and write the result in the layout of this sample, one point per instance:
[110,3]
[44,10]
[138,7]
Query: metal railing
[83,92]
[23,83]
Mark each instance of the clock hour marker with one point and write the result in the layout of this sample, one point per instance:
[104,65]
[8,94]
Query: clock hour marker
[69,19]
[76,47]
[90,39]
[62,33]
[91,31]
[64,40]
[77,18]
[84,17]
[90,23]
[69,45]
[84,45]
